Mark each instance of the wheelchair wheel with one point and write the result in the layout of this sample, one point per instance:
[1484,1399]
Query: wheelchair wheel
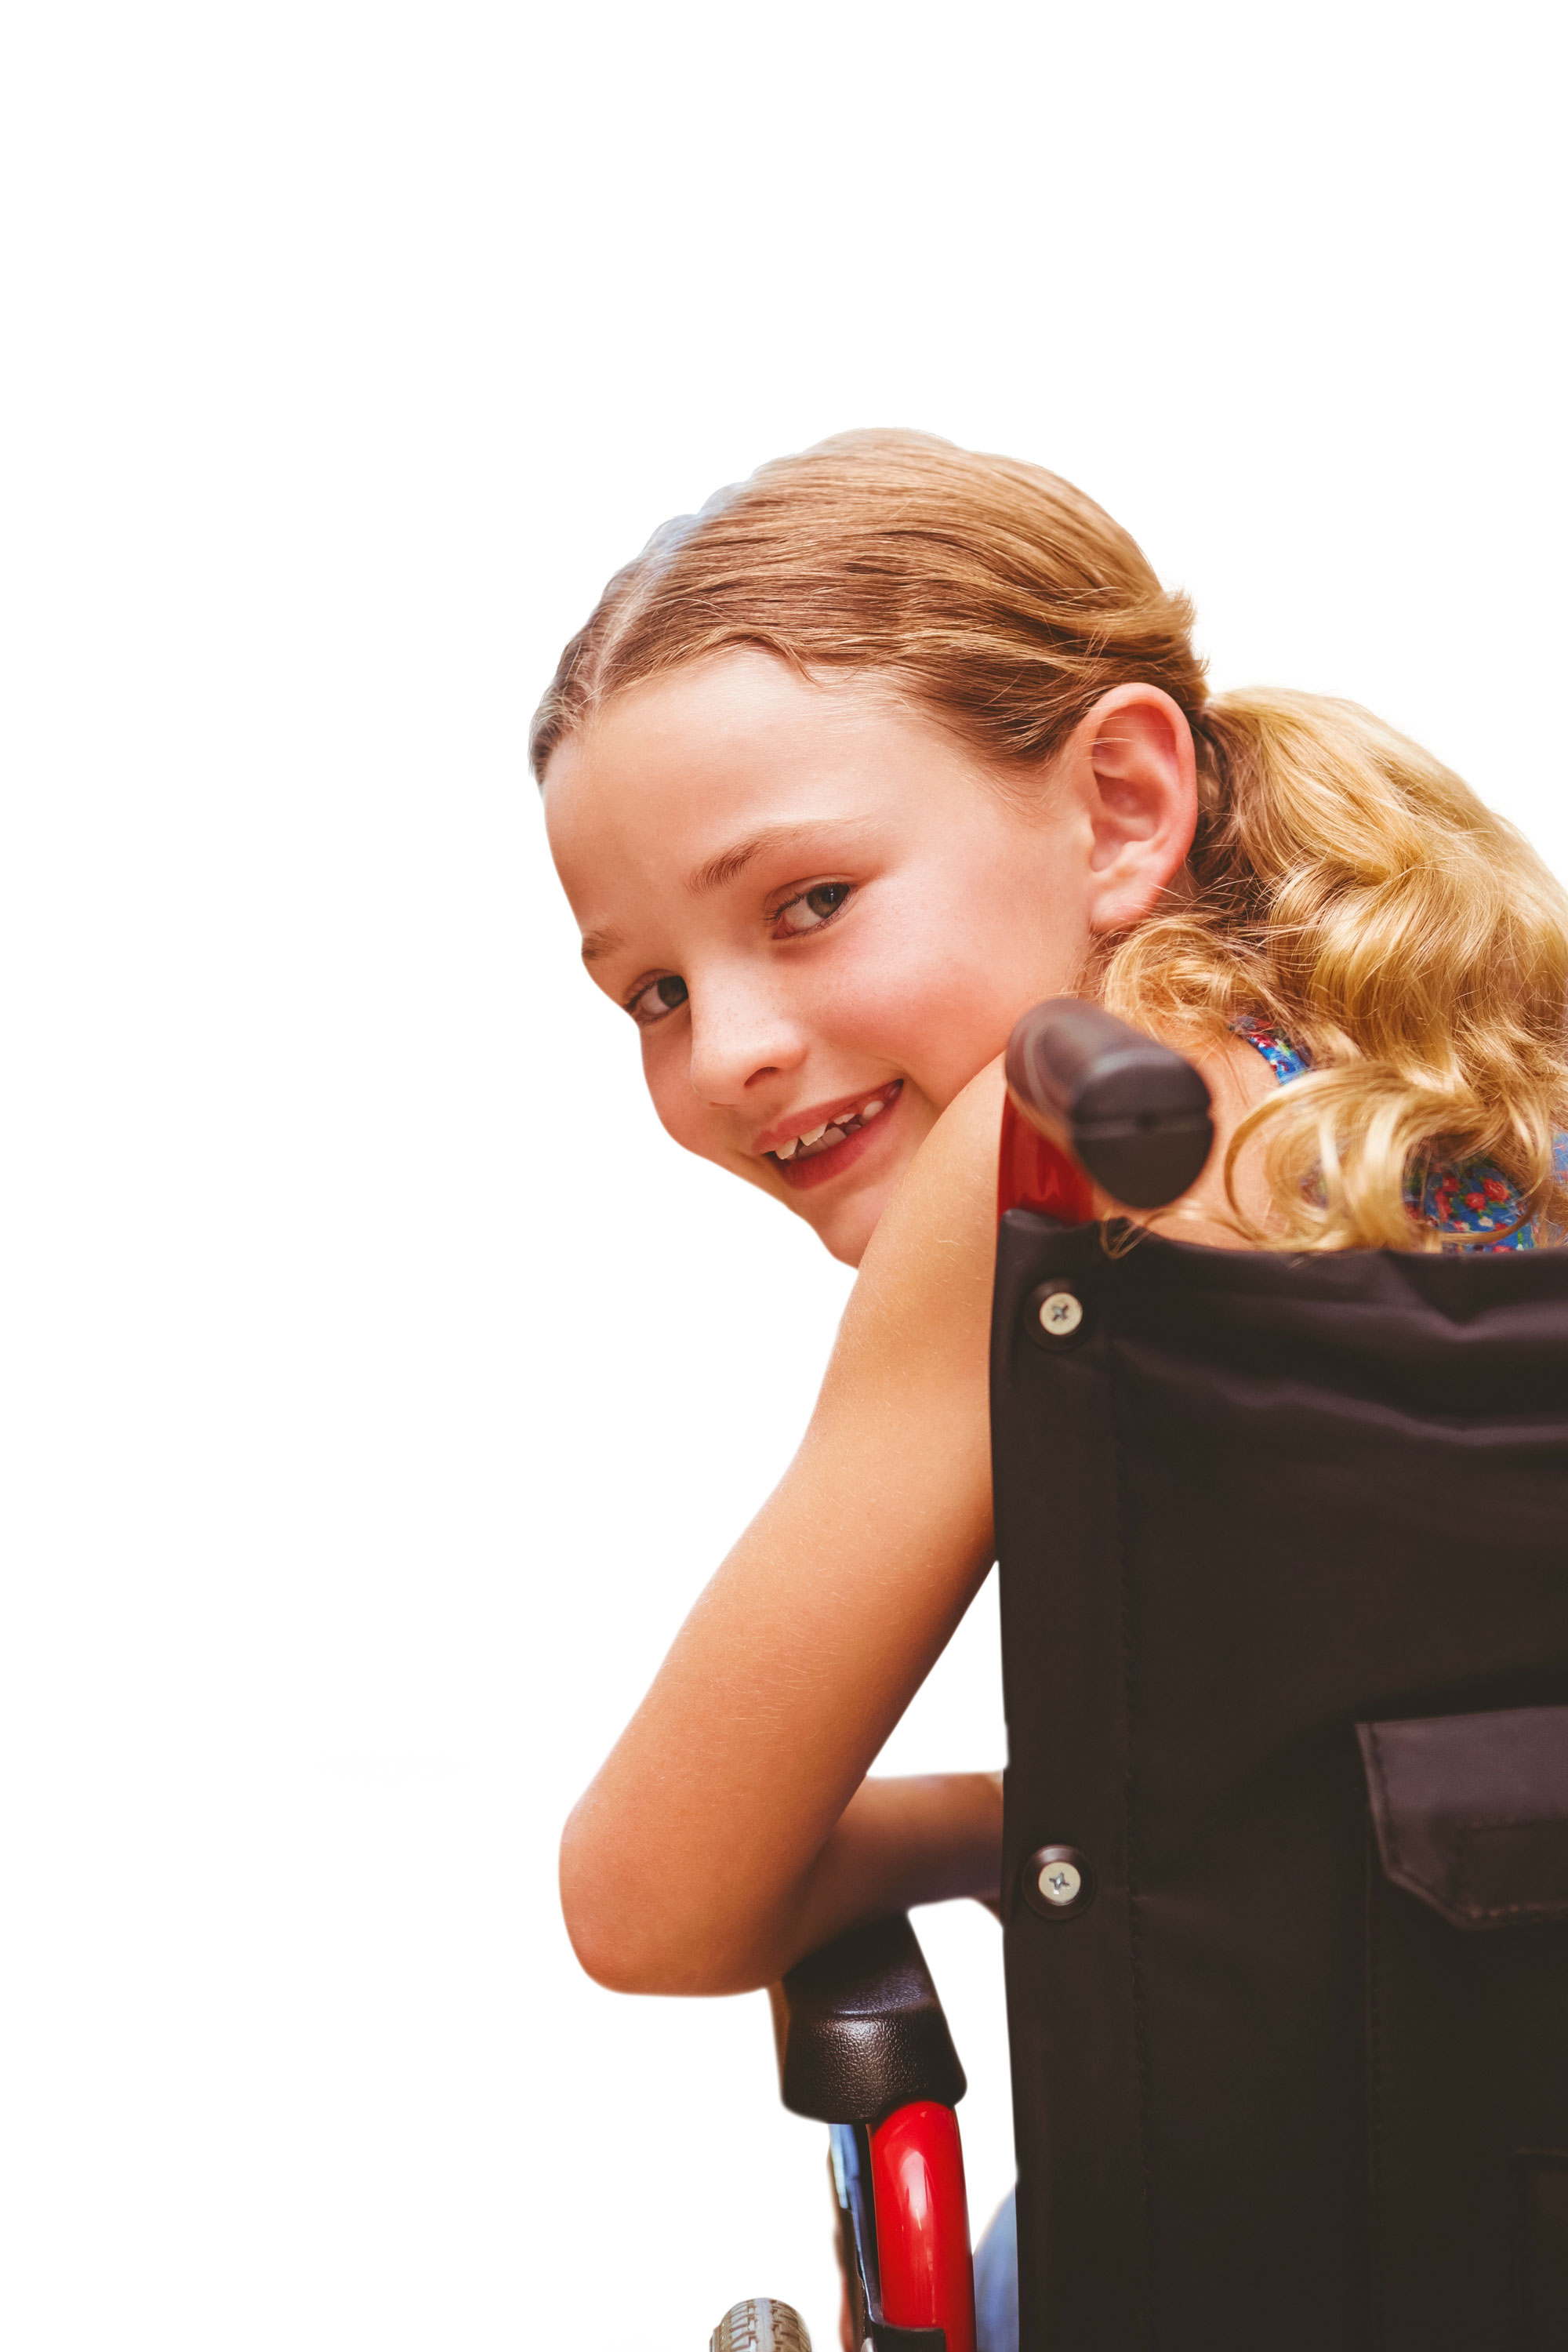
[760,2326]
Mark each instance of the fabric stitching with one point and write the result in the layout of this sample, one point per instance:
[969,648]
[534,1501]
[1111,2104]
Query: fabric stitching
[1376,2093]
[1554,1908]
[1455,1894]
[1141,2038]
[1381,1806]
[1465,1900]
[1525,1822]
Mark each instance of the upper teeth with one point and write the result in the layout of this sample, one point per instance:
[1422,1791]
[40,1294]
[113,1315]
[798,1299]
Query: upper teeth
[831,1131]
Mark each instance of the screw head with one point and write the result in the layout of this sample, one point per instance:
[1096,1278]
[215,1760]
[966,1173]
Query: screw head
[1058,1882]
[1055,1315]
[1060,1313]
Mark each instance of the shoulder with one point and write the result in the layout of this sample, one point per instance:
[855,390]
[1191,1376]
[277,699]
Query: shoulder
[900,1441]
[925,1285]
[946,1204]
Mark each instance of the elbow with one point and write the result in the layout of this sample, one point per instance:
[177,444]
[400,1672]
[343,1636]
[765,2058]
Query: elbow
[608,1947]
[592,1918]
[630,1932]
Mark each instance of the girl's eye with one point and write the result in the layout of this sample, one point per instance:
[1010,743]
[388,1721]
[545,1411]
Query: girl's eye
[815,907]
[657,999]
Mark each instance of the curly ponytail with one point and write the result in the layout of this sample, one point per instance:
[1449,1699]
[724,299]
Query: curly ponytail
[1355,893]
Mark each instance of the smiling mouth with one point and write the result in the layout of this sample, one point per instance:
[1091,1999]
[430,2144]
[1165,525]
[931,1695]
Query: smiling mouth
[793,1157]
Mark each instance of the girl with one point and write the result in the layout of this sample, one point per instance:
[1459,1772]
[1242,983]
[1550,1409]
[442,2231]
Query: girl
[842,775]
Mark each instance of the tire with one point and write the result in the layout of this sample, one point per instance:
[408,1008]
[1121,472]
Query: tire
[760,2326]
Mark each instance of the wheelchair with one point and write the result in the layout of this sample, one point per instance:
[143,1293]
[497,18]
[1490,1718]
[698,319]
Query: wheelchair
[1283,1550]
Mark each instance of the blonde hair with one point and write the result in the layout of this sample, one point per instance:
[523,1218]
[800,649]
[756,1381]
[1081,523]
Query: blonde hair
[1346,887]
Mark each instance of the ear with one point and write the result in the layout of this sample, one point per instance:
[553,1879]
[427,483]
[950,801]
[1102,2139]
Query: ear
[1134,769]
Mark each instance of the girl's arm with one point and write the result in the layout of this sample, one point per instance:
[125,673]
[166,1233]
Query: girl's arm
[733,1828]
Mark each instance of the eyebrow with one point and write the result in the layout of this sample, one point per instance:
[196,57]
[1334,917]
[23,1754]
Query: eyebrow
[717,871]
[596,945]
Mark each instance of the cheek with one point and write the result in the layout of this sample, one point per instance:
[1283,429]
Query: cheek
[667,1072]
[939,1012]
[1004,942]
[667,1076]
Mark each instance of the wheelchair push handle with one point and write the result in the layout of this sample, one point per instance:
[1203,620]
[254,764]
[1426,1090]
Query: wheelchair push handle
[863,2046]
[860,2029]
[1093,1102]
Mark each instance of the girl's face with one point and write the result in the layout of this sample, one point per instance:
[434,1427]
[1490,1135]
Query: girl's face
[821,913]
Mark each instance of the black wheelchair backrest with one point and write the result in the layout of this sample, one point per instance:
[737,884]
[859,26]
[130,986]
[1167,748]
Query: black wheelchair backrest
[1284,1562]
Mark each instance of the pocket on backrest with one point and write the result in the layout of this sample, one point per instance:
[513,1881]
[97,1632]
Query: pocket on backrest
[1543,2176]
[1471,1812]
[1468,2029]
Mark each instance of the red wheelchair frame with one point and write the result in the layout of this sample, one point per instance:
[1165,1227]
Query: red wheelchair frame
[921,2290]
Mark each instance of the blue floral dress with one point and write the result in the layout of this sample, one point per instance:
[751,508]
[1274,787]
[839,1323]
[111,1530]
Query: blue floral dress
[1469,1196]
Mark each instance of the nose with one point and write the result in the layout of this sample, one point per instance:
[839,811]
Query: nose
[741,1036]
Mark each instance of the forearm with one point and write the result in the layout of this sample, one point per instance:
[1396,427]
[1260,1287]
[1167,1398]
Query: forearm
[897,1842]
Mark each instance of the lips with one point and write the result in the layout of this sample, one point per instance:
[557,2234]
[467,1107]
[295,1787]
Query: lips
[826,1145]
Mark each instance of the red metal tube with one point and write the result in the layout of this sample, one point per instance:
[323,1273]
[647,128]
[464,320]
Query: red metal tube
[1034,1173]
[922,2222]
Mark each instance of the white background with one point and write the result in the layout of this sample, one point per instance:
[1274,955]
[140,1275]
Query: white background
[380,1383]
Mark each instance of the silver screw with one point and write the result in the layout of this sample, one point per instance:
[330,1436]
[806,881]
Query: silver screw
[1060,1883]
[1060,1313]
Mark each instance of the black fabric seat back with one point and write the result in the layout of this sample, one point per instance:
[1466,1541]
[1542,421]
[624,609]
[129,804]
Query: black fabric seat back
[1273,2090]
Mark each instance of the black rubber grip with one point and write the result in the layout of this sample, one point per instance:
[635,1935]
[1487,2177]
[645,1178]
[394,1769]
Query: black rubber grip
[860,2029]
[1133,1112]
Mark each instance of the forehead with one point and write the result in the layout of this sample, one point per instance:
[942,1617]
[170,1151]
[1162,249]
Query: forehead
[740,737]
